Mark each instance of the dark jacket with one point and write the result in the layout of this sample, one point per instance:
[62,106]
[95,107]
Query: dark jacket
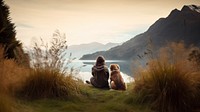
[100,76]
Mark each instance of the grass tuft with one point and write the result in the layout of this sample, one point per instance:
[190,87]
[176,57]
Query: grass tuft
[169,83]
[50,76]
[12,75]
[44,83]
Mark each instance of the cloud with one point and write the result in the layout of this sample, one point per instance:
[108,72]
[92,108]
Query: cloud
[22,25]
[88,20]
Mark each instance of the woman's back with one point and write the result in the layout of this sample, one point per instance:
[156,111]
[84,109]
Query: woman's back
[101,75]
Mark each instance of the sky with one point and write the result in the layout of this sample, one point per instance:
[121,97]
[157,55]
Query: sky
[85,21]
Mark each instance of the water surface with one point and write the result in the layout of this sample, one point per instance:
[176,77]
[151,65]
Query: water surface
[85,72]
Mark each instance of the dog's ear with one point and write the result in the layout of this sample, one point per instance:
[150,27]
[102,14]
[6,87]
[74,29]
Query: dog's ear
[117,66]
[111,67]
[114,67]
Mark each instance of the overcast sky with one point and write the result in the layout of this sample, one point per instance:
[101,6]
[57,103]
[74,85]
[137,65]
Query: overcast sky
[85,21]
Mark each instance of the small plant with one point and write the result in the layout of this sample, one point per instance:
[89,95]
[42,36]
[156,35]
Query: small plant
[169,83]
[50,76]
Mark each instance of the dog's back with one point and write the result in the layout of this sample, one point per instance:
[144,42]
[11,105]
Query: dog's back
[117,78]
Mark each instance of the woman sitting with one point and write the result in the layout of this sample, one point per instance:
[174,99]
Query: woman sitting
[100,74]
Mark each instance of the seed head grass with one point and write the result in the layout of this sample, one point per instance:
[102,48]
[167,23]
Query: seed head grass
[169,83]
[50,75]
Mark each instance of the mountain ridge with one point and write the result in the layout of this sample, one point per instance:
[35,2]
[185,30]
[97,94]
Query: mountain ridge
[81,49]
[179,25]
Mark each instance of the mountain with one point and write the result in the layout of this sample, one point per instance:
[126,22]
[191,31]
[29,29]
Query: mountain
[180,25]
[79,50]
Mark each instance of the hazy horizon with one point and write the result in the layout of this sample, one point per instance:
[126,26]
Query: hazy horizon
[86,21]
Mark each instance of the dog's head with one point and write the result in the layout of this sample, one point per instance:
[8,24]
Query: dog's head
[114,67]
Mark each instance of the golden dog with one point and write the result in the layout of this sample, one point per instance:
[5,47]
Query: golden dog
[116,80]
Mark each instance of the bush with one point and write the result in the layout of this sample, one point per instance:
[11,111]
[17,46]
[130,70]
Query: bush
[50,76]
[169,83]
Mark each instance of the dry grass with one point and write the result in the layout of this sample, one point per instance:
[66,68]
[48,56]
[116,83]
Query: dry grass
[12,77]
[47,83]
[169,83]
[5,103]
[50,76]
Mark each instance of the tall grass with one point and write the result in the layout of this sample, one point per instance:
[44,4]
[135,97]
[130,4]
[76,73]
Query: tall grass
[47,83]
[6,103]
[169,83]
[50,76]
[12,76]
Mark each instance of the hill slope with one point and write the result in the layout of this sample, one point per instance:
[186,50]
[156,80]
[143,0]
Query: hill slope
[79,50]
[94,100]
[180,25]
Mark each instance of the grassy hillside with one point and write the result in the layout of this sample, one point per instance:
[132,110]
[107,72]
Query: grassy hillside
[92,100]
[48,86]
[170,82]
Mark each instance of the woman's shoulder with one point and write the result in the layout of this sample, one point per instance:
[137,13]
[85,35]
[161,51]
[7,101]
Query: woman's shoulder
[105,66]
[98,68]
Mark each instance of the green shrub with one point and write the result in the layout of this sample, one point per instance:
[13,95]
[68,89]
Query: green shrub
[169,83]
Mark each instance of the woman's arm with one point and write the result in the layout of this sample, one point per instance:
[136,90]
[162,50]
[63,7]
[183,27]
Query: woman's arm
[107,73]
[93,71]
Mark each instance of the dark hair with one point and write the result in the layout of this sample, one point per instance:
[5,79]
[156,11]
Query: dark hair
[100,61]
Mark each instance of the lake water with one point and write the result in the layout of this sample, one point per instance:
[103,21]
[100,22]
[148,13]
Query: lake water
[85,72]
